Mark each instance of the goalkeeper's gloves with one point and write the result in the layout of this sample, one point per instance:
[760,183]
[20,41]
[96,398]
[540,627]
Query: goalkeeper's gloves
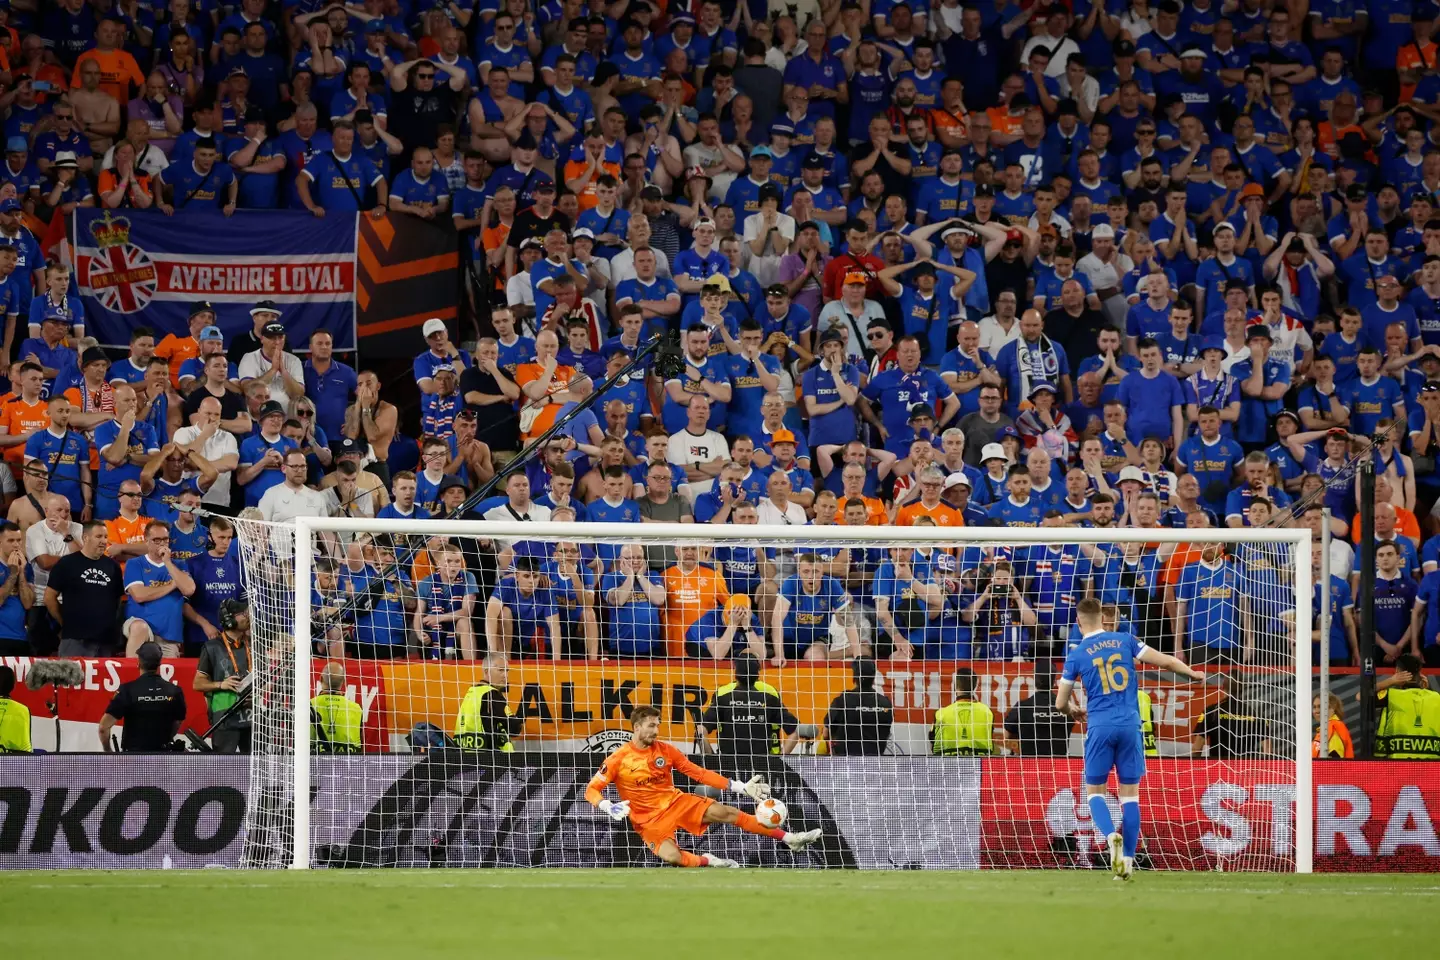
[755,788]
[616,811]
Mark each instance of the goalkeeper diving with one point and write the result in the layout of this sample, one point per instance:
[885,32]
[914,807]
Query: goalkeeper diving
[643,774]
[1104,661]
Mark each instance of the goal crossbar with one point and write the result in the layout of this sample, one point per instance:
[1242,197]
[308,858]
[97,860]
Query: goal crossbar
[772,535]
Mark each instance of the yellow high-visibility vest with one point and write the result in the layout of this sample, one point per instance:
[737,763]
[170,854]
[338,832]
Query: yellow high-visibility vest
[1409,725]
[963,729]
[470,731]
[336,723]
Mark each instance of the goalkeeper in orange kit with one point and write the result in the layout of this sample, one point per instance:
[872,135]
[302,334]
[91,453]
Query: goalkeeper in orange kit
[643,774]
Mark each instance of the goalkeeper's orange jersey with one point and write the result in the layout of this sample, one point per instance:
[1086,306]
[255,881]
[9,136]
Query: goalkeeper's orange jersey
[646,777]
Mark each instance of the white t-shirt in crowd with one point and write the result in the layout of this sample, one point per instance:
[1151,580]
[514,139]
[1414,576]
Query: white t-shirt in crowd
[41,541]
[254,364]
[687,449]
[220,445]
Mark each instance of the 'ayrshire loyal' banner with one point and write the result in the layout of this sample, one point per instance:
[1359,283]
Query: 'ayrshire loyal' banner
[141,268]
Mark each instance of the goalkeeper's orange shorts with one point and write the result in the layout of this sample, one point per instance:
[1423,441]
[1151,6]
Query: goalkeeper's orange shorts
[686,813]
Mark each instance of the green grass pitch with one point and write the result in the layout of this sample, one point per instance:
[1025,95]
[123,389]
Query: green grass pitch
[737,915]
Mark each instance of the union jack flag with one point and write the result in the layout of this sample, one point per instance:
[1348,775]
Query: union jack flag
[123,277]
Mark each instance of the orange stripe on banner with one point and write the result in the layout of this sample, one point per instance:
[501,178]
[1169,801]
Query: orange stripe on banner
[405,270]
[384,231]
[419,268]
[368,263]
[362,296]
[403,323]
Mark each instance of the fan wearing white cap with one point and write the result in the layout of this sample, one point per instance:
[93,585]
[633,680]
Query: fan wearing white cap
[1198,88]
[993,480]
[1128,483]
[1215,273]
[440,351]
[958,487]
[1105,265]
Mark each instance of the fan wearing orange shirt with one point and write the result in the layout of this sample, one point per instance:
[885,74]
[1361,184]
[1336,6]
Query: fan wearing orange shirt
[1183,555]
[932,486]
[543,383]
[691,591]
[580,175]
[176,350]
[22,415]
[643,772]
[119,73]
[1416,58]
[127,528]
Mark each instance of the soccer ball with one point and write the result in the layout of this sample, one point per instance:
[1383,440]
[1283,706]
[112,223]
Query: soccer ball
[771,813]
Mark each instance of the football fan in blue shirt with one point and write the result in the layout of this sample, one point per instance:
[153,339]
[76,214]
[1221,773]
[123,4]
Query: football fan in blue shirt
[204,183]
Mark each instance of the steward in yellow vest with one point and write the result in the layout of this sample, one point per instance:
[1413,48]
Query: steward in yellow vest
[1147,723]
[1409,727]
[966,726]
[335,719]
[14,717]
[485,721]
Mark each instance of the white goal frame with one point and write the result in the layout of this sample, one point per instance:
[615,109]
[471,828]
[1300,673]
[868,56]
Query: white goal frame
[770,535]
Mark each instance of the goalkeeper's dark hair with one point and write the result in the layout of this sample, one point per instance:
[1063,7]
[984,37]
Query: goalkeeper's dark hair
[642,712]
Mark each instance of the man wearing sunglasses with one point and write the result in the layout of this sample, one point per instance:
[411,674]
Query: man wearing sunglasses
[156,586]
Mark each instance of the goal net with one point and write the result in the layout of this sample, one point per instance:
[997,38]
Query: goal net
[439,693]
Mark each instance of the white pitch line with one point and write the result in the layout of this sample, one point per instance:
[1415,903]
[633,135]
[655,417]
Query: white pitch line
[658,883]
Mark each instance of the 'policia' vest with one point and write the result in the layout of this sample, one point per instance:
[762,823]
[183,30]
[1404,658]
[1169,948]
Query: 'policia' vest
[963,729]
[747,719]
[476,727]
[1147,724]
[1410,725]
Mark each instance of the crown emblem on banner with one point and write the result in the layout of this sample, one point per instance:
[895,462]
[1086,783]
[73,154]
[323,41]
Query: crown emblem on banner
[111,231]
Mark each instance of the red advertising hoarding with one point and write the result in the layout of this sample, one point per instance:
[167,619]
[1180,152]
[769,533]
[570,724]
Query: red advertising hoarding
[81,707]
[1219,815]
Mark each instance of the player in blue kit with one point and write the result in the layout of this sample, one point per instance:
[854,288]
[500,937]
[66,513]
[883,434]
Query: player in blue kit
[1104,662]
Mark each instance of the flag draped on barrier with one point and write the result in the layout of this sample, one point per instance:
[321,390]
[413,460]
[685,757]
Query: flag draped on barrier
[408,273]
[142,268]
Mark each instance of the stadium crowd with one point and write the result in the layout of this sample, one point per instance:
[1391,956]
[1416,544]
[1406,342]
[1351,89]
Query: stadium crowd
[1122,265]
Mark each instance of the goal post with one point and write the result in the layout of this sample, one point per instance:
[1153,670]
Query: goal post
[285,830]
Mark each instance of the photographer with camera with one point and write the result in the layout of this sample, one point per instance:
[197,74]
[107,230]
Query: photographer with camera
[1000,615]
[152,707]
[220,675]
